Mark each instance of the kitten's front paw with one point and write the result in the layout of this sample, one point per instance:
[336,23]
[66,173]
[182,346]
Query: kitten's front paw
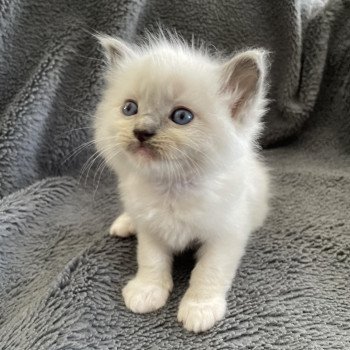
[141,297]
[199,315]
[122,226]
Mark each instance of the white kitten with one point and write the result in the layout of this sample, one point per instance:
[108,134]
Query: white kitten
[178,127]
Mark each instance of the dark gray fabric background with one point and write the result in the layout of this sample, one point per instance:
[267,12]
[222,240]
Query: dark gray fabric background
[61,274]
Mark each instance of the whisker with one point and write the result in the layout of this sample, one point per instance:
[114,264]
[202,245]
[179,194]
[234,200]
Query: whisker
[95,156]
[79,111]
[104,167]
[88,164]
[193,165]
[105,153]
[72,130]
[80,148]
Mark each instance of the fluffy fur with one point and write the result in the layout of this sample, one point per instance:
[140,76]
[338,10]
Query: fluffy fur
[196,183]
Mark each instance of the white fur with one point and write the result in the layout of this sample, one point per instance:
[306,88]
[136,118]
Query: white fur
[216,194]
[122,226]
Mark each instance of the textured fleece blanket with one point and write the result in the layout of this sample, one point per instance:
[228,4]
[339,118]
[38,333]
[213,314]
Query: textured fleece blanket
[61,274]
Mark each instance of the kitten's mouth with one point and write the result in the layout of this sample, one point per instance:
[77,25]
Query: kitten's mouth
[143,150]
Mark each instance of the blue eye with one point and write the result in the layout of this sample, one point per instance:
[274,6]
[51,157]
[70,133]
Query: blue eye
[181,116]
[130,108]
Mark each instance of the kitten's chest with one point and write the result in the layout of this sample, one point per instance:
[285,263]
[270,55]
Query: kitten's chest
[173,214]
[157,204]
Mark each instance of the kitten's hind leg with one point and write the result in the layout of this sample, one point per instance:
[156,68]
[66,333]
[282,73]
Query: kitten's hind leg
[122,226]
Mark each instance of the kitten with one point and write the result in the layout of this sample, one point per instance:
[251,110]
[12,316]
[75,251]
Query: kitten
[179,129]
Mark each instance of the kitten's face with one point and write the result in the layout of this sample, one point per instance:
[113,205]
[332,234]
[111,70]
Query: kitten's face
[165,113]
[166,109]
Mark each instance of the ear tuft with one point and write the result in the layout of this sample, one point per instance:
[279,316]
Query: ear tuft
[115,49]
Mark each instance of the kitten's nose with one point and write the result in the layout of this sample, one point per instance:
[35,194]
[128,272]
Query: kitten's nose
[143,135]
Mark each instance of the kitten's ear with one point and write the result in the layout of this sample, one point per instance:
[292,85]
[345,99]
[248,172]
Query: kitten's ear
[115,49]
[243,78]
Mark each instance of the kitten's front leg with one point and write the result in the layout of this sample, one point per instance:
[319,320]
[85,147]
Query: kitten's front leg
[150,288]
[122,226]
[204,303]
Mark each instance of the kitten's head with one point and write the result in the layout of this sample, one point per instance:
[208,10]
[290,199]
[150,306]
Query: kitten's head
[170,108]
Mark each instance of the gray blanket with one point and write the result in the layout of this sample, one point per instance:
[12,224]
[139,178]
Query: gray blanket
[61,274]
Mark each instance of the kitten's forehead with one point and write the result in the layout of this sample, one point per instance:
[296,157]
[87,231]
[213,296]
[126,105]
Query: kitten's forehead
[169,77]
[157,81]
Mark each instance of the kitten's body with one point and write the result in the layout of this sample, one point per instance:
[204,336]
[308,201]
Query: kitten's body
[202,208]
[200,182]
